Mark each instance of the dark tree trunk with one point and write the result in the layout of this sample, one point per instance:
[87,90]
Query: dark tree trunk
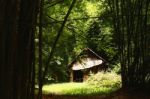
[17,23]
[40,50]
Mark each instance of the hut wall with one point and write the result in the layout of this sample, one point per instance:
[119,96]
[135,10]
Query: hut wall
[71,75]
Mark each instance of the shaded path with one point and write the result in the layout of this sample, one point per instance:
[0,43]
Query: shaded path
[116,95]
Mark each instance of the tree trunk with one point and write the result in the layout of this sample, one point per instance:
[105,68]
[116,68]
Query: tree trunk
[17,23]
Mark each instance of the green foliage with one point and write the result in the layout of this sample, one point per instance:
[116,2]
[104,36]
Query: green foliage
[100,39]
[117,68]
[105,79]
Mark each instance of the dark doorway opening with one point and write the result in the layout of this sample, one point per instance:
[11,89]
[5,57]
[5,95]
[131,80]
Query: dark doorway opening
[78,76]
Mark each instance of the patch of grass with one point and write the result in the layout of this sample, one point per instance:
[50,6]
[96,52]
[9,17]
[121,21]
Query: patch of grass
[62,87]
[101,83]
[76,89]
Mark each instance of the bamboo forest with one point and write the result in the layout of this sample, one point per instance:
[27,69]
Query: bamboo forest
[74,49]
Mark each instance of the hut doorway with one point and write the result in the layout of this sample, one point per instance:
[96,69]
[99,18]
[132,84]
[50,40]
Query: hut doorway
[78,76]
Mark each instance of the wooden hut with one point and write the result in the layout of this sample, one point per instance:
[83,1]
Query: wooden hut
[86,62]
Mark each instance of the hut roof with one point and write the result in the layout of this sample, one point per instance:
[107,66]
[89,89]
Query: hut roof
[86,59]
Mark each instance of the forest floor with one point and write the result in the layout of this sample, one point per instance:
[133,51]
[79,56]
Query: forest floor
[120,94]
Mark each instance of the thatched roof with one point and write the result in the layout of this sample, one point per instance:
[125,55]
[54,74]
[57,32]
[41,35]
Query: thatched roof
[86,59]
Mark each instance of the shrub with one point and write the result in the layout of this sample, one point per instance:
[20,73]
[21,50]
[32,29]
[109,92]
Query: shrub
[105,79]
[117,68]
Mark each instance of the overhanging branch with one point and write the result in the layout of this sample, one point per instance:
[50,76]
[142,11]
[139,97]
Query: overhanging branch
[57,37]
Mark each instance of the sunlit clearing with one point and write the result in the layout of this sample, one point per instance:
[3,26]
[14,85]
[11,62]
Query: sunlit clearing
[100,83]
